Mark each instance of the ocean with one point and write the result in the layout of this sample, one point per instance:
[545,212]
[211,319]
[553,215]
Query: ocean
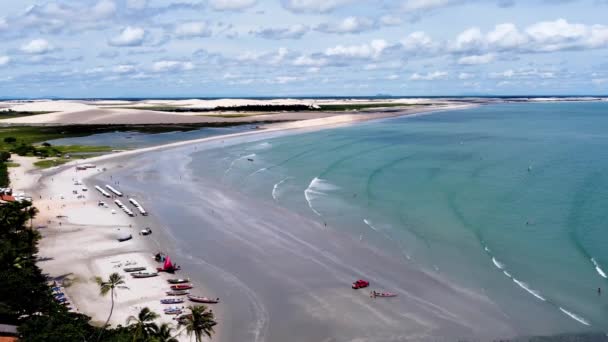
[505,201]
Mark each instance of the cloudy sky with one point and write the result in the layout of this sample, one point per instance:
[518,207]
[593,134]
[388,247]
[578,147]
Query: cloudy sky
[187,48]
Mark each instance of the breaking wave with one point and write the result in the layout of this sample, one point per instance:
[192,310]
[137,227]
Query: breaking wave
[317,187]
[236,160]
[497,263]
[574,316]
[369,224]
[599,270]
[275,189]
[527,288]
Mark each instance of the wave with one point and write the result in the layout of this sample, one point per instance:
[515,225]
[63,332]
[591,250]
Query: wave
[236,160]
[261,146]
[507,274]
[369,224]
[275,188]
[497,263]
[574,317]
[317,187]
[532,292]
[485,248]
[598,268]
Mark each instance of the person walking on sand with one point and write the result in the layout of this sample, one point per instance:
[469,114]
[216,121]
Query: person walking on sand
[599,291]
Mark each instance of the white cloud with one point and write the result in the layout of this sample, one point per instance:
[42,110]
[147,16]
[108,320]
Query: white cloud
[477,59]
[506,36]
[124,69]
[37,47]
[424,5]
[104,9]
[372,50]
[599,81]
[292,32]
[305,60]
[164,66]
[523,73]
[192,29]
[431,76]
[129,36]
[392,77]
[286,79]
[347,25]
[469,40]
[465,76]
[137,4]
[314,5]
[390,20]
[231,5]
[4,60]
[418,42]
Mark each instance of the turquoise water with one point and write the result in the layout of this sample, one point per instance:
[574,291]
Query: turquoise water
[510,199]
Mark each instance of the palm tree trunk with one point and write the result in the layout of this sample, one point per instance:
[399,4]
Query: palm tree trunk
[111,310]
[109,316]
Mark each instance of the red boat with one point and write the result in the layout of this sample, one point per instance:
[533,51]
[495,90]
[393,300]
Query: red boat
[359,284]
[181,287]
[205,300]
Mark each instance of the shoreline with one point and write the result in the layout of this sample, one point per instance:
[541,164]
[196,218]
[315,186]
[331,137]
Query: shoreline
[94,256]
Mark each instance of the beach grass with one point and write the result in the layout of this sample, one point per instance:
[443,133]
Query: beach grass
[10,164]
[360,106]
[10,114]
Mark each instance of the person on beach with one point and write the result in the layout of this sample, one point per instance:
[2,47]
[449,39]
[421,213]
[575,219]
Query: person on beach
[599,291]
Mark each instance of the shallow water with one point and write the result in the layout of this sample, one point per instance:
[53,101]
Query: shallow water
[504,200]
[510,193]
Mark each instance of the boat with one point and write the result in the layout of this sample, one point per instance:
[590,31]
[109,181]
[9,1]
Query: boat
[173,311]
[178,280]
[124,238]
[181,287]
[133,269]
[146,231]
[177,292]
[204,300]
[383,294]
[144,274]
[168,266]
[359,284]
[172,301]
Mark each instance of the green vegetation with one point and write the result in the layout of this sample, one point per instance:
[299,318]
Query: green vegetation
[46,163]
[359,106]
[12,165]
[29,302]
[9,114]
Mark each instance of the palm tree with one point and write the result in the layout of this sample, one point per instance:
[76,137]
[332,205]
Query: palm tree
[163,333]
[116,281]
[143,324]
[199,322]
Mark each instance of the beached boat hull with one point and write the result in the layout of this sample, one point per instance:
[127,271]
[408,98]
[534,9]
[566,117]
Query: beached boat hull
[178,281]
[133,269]
[178,293]
[144,275]
[204,300]
[181,287]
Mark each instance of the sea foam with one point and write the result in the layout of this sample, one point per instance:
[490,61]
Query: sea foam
[574,317]
[275,188]
[532,292]
[317,187]
[598,268]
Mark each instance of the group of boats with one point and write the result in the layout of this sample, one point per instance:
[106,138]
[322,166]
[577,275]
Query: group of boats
[179,288]
[361,284]
[121,205]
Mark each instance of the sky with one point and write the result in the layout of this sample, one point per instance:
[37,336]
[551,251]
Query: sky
[276,48]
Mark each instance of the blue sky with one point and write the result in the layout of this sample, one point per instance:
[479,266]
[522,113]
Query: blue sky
[153,48]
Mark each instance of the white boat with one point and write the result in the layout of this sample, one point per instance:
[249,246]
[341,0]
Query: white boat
[116,192]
